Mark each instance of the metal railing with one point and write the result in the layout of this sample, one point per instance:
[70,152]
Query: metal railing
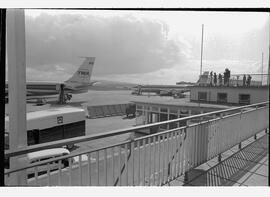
[154,159]
[236,80]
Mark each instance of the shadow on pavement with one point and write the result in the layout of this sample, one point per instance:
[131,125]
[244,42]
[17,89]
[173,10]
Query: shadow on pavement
[233,168]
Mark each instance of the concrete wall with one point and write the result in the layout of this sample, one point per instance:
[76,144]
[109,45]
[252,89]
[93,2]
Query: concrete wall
[257,94]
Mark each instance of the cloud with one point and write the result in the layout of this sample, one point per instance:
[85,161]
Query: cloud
[189,71]
[139,50]
[121,45]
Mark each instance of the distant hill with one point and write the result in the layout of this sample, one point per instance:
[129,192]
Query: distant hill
[185,83]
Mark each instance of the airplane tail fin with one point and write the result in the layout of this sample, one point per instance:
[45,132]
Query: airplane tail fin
[83,74]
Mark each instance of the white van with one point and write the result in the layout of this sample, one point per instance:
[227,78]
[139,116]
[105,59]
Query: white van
[45,155]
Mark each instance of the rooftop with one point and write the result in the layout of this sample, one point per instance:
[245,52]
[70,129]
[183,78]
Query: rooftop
[230,87]
[183,102]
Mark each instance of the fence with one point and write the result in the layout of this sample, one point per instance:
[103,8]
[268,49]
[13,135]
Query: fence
[237,80]
[154,159]
[255,80]
[101,111]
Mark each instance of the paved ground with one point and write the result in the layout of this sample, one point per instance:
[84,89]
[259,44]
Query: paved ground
[247,167]
[101,125]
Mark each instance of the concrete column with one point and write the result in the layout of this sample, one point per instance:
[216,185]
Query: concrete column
[189,112]
[178,116]
[16,88]
[219,158]
[168,118]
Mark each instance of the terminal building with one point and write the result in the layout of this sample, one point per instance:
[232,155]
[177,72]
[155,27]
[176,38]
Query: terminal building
[203,97]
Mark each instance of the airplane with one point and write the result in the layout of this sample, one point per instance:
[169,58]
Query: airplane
[78,83]
[162,90]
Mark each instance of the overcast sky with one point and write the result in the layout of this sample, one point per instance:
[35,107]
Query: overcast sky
[146,47]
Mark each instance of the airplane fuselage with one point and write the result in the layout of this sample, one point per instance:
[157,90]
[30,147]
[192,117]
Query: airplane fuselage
[50,88]
[162,88]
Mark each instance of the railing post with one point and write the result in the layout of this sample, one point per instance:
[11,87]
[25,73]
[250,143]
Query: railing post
[240,146]
[186,177]
[219,157]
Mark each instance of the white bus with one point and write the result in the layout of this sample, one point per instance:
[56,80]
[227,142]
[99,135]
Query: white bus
[51,125]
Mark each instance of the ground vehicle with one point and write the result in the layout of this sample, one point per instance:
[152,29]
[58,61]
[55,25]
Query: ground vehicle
[51,125]
[131,110]
[45,155]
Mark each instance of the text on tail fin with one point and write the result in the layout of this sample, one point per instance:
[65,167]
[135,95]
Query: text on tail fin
[83,74]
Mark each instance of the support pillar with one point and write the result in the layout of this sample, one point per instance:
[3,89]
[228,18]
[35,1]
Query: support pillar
[186,177]
[219,158]
[240,146]
[16,89]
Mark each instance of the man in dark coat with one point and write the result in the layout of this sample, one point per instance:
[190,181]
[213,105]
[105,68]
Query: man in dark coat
[211,78]
[228,76]
[215,79]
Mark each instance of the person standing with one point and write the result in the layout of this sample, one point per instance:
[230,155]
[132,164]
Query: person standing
[61,99]
[248,80]
[237,78]
[219,79]
[215,79]
[244,80]
[228,76]
[211,78]
[225,76]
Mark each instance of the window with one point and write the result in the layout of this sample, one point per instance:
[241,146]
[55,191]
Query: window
[244,99]
[202,96]
[155,109]
[173,111]
[222,97]
[139,106]
[163,110]
[173,124]
[153,117]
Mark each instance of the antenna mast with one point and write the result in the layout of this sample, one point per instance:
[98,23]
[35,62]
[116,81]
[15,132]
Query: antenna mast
[268,52]
[262,67]
[201,50]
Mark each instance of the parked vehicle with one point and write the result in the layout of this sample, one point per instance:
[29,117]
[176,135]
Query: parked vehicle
[51,125]
[131,110]
[47,154]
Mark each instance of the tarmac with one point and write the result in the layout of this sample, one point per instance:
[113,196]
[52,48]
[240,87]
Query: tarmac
[100,125]
[245,167]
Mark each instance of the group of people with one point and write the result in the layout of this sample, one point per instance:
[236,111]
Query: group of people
[225,79]
[214,78]
[246,80]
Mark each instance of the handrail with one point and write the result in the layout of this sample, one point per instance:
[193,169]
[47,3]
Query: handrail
[54,144]
[74,154]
